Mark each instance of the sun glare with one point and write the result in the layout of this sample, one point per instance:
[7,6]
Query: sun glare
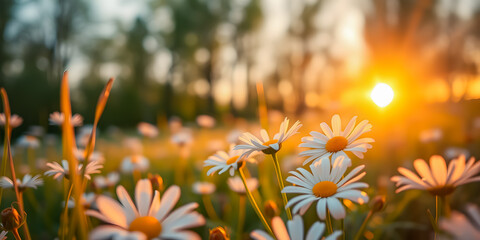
[382,94]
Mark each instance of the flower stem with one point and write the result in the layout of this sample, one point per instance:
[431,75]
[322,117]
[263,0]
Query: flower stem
[207,203]
[65,213]
[342,223]
[278,171]
[328,222]
[254,204]
[364,225]
[15,234]
[437,212]
[446,206]
[137,175]
[241,215]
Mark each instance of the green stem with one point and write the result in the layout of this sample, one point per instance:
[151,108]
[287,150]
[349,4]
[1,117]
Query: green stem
[437,213]
[207,203]
[446,206]
[137,175]
[364,225]
[278,171]
[15,234]
[241,216]
[342,223]
[65,212]
[328,222]
[254,204]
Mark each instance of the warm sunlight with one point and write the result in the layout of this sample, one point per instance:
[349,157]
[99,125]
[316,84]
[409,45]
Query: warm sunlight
[382,94]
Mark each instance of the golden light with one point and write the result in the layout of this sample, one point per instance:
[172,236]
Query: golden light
[382,94]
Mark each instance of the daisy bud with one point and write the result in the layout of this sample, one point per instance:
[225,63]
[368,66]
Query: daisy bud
[377,204]
[270,209]
[157,181]
[218,233]
[11,220]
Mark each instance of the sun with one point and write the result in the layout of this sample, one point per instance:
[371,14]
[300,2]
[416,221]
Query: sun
[382,94]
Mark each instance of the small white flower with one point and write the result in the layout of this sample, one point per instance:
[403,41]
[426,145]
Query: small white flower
[15,120]
[206,121]
[336,142]
[133,144]
[83,135]
[460,227]
[57,118]
[295,231]
[325,186]
[87,200]
[454,152]
[430,135]
[27,182]
[135,162]
[236,184]
[28,141]
[147,130]
[59,171]
[94,156]
[151,216]
[203,188]
[182,137]
[222,161]
[105,182]
[267,145]
[437,178]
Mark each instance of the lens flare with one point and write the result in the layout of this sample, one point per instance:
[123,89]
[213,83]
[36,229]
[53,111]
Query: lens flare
[382,94]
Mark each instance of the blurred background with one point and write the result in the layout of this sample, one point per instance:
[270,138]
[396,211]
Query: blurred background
[306,59]
[189,57]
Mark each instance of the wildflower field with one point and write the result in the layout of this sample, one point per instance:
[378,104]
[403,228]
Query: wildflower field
[242,119]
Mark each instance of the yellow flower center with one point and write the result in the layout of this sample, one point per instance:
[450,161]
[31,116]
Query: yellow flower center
[336,144]
[135,159]
[270,150]
[149,226]
[268,143]
[324,189]
[232,160]
[441,190]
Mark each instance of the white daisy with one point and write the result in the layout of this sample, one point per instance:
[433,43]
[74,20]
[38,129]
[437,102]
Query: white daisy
[105,182]
[87,200]
[437,178]
[182,137]
[83,135]
[335,142]
[27,182]
[57,118]
[135,162]
[150,216]
[147,130]
[325,186]
[206,121]
[15,120]
[224,161]
[58,171]
[94,156]
[236,184]
[203,188]
[267,145]
[460,227]
[28,141]
[295,231]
